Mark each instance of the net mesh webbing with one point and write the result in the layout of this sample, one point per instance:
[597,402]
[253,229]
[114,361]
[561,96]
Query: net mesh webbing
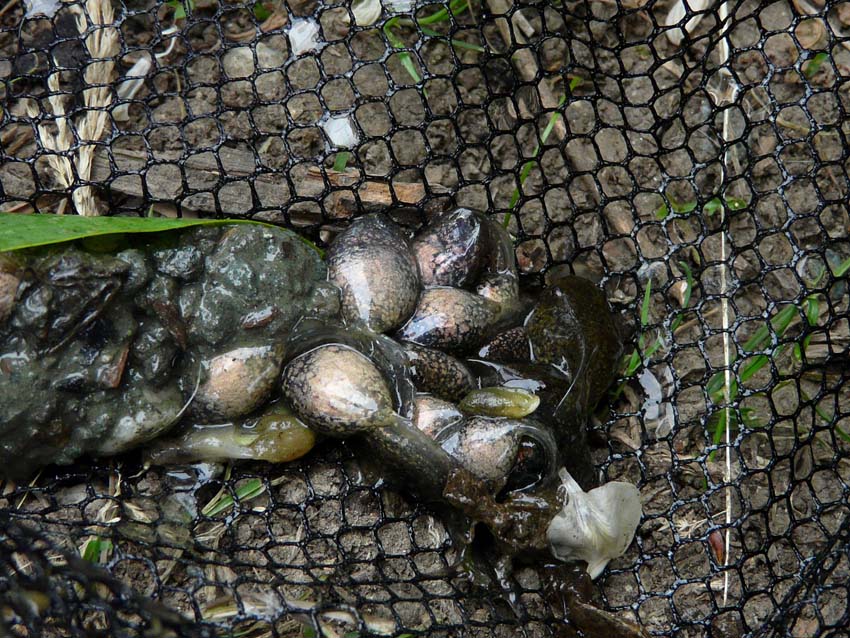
[694,165]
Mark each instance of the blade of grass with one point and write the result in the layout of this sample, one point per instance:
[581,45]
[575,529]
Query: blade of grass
[19,231]
[245,492]
[403,56]
[644,307]
[94,548]
[760,339]
[458,43]
[526,168]
[260,11]
[842,268]
[457,7]
[680,208]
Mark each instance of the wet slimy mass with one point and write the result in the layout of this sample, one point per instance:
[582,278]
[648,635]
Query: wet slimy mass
[240,342]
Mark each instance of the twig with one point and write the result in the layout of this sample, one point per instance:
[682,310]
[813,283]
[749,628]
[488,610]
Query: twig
[8,6]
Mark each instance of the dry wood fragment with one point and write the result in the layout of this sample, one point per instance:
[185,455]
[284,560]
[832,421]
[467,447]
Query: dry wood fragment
[351,195]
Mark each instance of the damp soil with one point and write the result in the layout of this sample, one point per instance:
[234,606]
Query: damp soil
[641,127]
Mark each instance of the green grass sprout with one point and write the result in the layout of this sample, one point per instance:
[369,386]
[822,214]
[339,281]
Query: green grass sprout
[525,171]
[404,56]
[632,362]
[223,501]
[711,207]
[181,8]
[760,340]
[813,66]
[455,8]
[95,548]
[260,11]
[341,161]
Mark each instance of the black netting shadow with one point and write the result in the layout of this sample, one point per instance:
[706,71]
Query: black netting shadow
[707,175]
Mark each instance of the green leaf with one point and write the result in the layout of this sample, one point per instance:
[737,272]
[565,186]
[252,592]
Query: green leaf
[749,418]
[812,309]
[719,430]
[341,161]
[732,203]
[460,44]
[526,168]
[403,56]
[407,63]
[632,364]
[749,369]
[181,8]
[19,231]
[712,206]
[456,6]
[260,11]
[653,348]
[677,207]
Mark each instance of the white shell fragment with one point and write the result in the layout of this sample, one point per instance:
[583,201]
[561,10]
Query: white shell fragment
[47,8]
[399,6]
[594,526]
[366,12]
[340,131]
[303,36]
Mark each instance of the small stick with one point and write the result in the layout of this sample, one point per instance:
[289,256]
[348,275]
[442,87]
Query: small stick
[8,6]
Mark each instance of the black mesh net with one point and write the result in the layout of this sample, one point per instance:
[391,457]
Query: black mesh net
[689,157]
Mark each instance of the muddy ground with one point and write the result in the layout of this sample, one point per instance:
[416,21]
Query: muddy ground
[641,122]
